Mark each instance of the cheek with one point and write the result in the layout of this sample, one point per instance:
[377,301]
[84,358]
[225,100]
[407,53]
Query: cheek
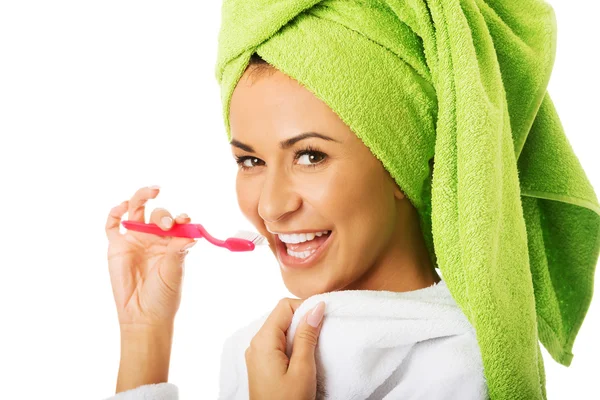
[349,197]
[361,207]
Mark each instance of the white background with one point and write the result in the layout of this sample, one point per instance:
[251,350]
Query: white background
[98,99]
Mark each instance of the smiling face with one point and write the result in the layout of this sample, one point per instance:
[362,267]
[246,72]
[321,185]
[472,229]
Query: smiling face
[301,169]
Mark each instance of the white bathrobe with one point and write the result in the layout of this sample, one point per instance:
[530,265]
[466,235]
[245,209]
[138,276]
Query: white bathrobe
[373,345]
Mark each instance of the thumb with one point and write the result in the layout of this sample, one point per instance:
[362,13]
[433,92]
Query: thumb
[171,270]
[302,360]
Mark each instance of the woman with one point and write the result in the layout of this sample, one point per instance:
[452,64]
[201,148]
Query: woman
[376,243]
[415,134]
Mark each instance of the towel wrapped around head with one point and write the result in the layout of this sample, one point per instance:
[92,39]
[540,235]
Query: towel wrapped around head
[450,95]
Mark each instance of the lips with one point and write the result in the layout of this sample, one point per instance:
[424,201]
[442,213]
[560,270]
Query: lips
[288,261]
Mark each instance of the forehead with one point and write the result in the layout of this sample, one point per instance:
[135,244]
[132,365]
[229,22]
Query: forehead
[273,101]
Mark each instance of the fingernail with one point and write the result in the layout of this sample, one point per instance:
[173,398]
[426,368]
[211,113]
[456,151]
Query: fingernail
[316,315]
[154,187]
[187,247]
[166,221]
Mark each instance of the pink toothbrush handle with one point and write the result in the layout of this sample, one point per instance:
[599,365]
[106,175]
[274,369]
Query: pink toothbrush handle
[233,243]
[190,231]
[178,230]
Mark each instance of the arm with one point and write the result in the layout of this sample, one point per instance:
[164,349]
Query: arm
[145,358]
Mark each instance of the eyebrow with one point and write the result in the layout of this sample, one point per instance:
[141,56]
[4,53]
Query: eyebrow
[286,143]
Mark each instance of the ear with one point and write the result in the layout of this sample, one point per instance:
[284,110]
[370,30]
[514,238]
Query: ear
[398,193]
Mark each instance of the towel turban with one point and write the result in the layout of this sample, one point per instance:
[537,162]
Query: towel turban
[450,95]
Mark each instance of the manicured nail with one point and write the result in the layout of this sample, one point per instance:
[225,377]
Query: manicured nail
[166,221]
[154,187]
[316,315]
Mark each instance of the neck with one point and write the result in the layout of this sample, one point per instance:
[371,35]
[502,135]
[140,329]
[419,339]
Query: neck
[404,266]
[398,272]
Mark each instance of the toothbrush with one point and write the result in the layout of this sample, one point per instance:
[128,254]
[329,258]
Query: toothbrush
[241,241]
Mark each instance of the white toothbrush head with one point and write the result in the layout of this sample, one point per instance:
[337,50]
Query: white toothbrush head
[254,237]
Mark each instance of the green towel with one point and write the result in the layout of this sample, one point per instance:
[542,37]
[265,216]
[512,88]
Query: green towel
[451,96]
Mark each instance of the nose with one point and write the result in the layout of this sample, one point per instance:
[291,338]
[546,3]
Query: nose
[277,197]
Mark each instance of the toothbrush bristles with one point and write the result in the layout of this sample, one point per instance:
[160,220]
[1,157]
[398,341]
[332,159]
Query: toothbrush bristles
[254,237]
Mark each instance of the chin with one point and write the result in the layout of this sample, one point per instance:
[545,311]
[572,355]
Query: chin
[303,290]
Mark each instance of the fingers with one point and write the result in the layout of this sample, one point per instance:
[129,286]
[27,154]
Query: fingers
[138,200]
[172,269]
[266,353]
[277,324]
[266,357]
[302,361]
[113,221]
[177,249]
[281,316]
[182,219]
[162,218]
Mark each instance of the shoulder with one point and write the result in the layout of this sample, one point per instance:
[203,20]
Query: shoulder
[454,355]
[452,364]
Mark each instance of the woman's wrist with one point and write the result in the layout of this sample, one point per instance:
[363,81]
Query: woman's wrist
[145,356]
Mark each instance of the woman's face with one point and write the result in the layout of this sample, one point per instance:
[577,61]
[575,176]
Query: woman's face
[289,182]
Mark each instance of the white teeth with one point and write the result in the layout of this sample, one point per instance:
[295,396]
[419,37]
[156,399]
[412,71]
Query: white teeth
[300,237]
[301,254]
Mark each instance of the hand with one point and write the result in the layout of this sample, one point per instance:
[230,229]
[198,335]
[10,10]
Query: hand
[271,375]
[146,271]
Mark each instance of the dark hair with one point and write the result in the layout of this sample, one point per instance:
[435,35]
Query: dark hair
[255,59]
[259,65]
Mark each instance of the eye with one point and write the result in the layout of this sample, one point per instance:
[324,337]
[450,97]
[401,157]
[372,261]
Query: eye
[247,162]
[309,156]
[312,156]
